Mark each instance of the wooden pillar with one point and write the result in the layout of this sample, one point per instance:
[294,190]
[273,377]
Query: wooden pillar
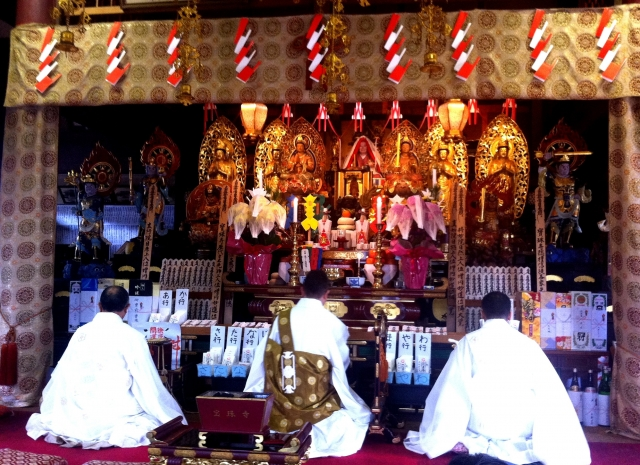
[34,11]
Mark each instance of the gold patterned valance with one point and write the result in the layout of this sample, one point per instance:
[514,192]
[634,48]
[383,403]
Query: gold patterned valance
[500,39]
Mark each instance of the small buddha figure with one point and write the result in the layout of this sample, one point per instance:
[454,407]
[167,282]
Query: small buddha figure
[211,206]
[565,213]
[501,177]
[446,176]
[404,176]
[302,156]
[154,174]
[273,170]
[90,209]
[222,167]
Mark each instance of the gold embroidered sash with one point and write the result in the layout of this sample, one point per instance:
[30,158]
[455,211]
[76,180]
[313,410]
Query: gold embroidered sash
[300,381]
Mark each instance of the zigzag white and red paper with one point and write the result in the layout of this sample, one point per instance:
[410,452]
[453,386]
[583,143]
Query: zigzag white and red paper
[395,50]
[116,53]
[358,116]
[244,52]
[316,54]
[457,33]
[47,62]
[612,71]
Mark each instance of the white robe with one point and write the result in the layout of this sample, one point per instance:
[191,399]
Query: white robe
[105,390]
[499,395]
[318,331]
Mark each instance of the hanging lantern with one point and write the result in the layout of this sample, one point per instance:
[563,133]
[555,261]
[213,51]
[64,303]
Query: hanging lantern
[430,62]
[253,117]
[453,116]
[68,8]
[67,42]
[184,96]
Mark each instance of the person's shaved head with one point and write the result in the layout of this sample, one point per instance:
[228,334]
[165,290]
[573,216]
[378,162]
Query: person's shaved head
[114,299]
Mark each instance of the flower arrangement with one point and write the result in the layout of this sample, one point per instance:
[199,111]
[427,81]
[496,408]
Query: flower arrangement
[254,234]
[418,223]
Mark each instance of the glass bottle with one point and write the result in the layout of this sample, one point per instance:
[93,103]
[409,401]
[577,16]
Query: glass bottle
[575,383]
[589,380]
[604,393]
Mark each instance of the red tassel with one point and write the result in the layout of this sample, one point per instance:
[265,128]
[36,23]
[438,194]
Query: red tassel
[9,361]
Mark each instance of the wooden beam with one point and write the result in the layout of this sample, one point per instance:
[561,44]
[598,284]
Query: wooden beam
[100,10]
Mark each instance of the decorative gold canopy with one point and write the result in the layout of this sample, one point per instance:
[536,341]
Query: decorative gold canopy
[504,130]
[223,130]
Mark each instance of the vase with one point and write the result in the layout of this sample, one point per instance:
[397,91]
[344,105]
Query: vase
[415,271]
[256,268]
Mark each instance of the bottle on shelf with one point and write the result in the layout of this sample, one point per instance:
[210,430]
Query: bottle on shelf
[604,393]
[590,384]
[575,382]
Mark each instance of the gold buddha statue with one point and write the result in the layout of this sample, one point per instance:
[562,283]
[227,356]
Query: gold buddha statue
[404,176]
[273,170]
[501,175]
[297,173]
[301,155]
[222,167]
[446,176]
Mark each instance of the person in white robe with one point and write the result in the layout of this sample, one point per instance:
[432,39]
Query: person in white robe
[105,390]
[499,395]
[318,331]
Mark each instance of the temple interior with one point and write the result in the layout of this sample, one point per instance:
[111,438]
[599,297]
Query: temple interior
[207,156]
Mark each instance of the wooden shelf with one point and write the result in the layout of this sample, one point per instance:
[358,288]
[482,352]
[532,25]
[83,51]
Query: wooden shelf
[341,293]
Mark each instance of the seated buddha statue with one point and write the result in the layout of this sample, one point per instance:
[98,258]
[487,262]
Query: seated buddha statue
[446,177]
[403,174]
[297,172]
[302,155]
[501,176]
[222,167]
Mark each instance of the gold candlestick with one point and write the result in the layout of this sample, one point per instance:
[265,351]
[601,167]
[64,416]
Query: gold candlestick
[293,271]
[378,273]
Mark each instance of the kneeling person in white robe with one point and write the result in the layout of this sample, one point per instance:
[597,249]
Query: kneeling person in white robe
[105,390]
[499,395]
[322,395]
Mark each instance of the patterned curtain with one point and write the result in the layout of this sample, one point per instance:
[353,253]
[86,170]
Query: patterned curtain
[500,42]
[28,200]
[624,207]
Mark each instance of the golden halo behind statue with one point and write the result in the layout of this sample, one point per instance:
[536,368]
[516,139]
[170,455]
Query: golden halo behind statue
[503,128]
[457,153]
[223,129]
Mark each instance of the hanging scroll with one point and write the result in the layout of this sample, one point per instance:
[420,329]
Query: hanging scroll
[541,255]
[225,204]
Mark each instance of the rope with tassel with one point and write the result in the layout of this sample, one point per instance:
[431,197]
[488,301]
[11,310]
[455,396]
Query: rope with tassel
[9,351]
